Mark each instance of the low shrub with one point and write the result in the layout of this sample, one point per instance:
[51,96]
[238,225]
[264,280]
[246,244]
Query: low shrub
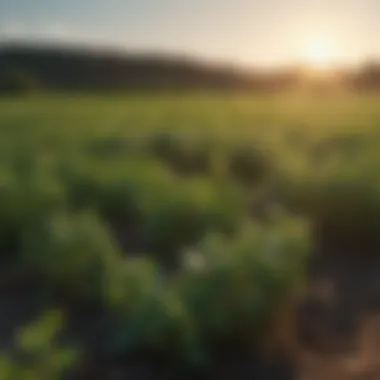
[37,354]
[70,251]
[341,202]
[185,154]
[233,289]
[186,213]
[346,213]
[227,289]
[249,163]
[26,198]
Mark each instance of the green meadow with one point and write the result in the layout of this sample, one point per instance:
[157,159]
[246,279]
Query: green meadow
[186,221]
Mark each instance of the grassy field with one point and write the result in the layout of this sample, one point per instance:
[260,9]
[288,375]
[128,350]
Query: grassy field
[184,222]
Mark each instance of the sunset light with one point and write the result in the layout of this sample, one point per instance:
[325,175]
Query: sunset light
[320,54]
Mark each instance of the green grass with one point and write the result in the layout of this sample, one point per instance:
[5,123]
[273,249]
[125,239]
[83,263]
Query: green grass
[143,203]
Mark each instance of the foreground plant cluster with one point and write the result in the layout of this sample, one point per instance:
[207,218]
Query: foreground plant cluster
[185,222]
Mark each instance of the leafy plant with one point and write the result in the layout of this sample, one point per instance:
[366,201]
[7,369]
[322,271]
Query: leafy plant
[37,354]
[181,217]
[184,153]
[249,164]
[28,193]
[238,284]
[227,288]
[71,251]
[346,212]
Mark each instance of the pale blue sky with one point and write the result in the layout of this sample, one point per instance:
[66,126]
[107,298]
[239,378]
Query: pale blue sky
[257,32]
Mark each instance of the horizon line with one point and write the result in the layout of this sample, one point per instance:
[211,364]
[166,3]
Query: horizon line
[176,54]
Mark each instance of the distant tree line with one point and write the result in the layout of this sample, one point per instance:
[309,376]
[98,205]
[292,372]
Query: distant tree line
[31,68]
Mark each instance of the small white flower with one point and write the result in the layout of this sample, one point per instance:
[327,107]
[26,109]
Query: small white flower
[194,260]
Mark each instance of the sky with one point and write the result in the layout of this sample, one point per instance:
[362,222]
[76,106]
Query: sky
[250,32]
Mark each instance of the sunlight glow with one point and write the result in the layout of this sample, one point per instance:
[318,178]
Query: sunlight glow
[320,54]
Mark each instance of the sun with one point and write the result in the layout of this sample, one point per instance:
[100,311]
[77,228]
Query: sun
[320,54]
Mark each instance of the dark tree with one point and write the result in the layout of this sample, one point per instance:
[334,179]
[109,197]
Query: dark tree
[16,81]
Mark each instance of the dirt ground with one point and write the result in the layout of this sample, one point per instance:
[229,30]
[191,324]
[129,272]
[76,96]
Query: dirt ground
[339,322]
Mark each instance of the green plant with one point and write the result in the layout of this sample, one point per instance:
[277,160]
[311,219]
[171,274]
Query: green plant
[227,288]
[184,153]
[345,209]
[37,354]
[236,285]
[249,163]
[72,251]
[28,194]
[148,308]
[184,214]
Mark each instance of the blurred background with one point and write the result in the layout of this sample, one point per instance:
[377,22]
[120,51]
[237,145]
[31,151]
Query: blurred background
[189,190]
[251,45]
